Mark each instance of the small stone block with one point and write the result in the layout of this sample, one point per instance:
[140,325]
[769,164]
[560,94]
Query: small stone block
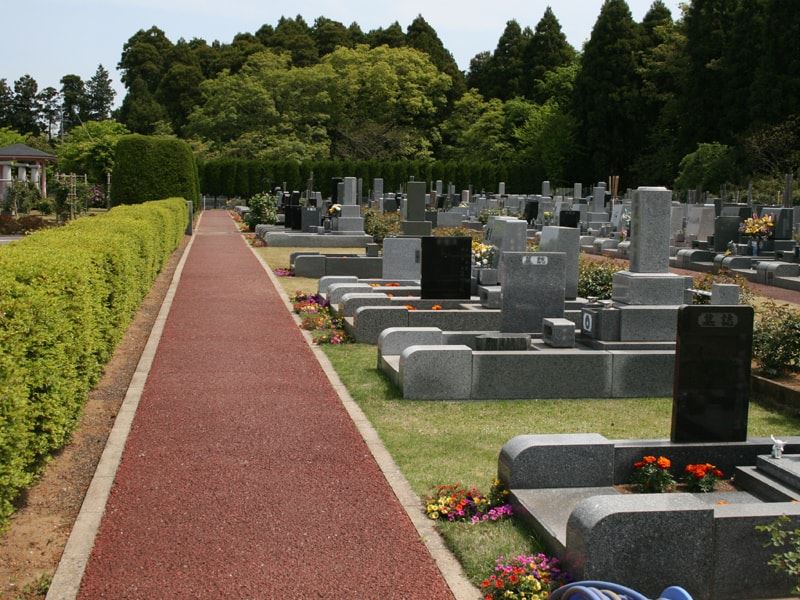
[436,372]
[394,340]
[503,342]
[327,281]
[337,290]
[558,333]
[725,293]
[370,321]
[490,296]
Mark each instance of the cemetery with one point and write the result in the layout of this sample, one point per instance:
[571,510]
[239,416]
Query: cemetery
[328,311]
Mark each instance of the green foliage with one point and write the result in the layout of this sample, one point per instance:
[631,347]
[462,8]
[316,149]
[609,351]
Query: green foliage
[381,225]
[149,168]
[707,168]
[595,276]
[263,209]
[22,196]
[66,297]
[787,540]
[776,339]
[9,137]
[89,148]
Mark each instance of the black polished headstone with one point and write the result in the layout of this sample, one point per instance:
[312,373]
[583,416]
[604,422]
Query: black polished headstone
[726,230]
[710,394]
[390,205]
[531,210]
[293,217]
[782,217]
[446,268]
[569,218]
[440,201]
[295,199]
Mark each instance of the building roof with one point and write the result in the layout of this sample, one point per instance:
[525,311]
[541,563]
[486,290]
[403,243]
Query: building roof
[23,152]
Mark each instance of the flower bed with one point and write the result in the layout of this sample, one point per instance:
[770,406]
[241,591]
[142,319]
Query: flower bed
[316,317]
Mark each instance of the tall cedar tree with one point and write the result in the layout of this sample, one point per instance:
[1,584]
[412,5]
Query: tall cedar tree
[99,95]
[547,50]
[294,36]
[506,69]
[24,106]
[422,36]
[6,103]
[329,35]
[607,95]
[392,36]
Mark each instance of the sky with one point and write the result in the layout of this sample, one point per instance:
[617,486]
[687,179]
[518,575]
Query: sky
[52,38]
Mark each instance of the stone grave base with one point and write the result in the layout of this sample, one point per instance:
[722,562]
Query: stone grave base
[413,358]
[316,240]
[563,486]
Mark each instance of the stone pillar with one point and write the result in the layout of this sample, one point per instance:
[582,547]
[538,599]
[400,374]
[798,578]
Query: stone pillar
[439,187]
[465,196]
[577,191]
[501,188]
[350,191]
[377,188]
[546,188]
[36,176]
[22,173]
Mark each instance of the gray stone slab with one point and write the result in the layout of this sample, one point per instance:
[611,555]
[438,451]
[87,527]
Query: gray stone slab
[649,288]
[648,323]
[402,258]
[337,290]
[650,213]
[566,240]
[533,289]
[327,281]
[456,320]
[700,222]
[583,374]
[726,293]
[502,342]
[785,469]
[416,228]
[413,208]
[558,333]
[563,460]
[436,372]
[642,374]
[362,267]
[351,302]
[370,321]
[350,191]
[394,340]
[490,296]
[310,265]
[281,239]
[642,540]
[449,219]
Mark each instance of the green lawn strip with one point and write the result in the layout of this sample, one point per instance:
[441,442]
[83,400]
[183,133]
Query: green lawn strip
[437,442]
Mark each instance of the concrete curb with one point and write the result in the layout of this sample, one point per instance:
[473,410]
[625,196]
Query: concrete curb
[66,582]
[448,565]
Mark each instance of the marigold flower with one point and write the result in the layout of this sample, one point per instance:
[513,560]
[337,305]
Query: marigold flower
[649,459]
[436,307]
[718,473]
[664,462]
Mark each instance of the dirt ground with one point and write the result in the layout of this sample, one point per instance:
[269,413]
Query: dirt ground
[31,546]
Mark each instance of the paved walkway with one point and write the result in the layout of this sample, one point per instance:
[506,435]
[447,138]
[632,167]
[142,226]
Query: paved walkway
[243,476]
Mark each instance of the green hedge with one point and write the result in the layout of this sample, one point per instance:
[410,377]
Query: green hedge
[246,178]
[66,297]
[151,168]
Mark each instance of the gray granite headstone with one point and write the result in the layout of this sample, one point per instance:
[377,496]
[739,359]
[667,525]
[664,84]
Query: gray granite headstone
[414,205]
[566,240]
[501,188]
[533,289]
[649,251]
[546,188]
[350,190]
[577,191]
[402,258]
[377,188]
[599,198]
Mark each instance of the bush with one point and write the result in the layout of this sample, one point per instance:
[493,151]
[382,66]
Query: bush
[477,236]
[595,276]
[66,297]
[22,197]
[263,209]
[776,339]
[381,225]
[705,281]
[151,168]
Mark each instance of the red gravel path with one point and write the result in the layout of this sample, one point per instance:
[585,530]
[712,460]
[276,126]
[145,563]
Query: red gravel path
[243,476]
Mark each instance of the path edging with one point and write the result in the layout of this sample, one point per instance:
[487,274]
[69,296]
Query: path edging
[446,562]
[66,581]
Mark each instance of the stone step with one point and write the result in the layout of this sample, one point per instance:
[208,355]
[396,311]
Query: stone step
[786,469]
[763,486]
[547,511]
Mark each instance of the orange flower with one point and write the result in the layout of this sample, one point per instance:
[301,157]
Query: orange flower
[649,459]
[409,307]
[436,307]
[639,465]
[486,583]
[664,462]
[718,473]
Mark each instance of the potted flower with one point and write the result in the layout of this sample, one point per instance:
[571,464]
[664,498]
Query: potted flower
[652,476]
[483,255]
[702,477]
[547,217]
[758,229]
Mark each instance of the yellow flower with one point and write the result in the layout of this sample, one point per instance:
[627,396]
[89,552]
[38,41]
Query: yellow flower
[434,515]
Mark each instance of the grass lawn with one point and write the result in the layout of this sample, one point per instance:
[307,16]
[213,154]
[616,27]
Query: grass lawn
[440,442]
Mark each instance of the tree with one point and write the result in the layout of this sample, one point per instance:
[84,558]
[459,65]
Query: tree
[6,102]
[546,139]
[49,110]
[392,36]
[423,37]
[25,106]
[547,50]
[74,102]
[8,137]
[99,95]
[294,36]
[329,35]
[606,100]
[179,92]
[143,57]
[707,168]
[89,148]
[140,112]
[506,68]
[478,75]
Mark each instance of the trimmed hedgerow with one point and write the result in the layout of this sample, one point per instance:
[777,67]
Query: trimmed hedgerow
[66,297]
[151,167]
[596,276]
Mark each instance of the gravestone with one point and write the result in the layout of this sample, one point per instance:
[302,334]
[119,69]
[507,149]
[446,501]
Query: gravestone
[531,211]
[712,374]
[335,197]
[377,188]
[310,219]
[566,240]
[577,191]
[350,191]
[569,218]
[726,230]
[782,217]
[401,258]
[700,222]
[501,188]
[446,268]
[533,289]
[413,211]
[546,188]
[439,187]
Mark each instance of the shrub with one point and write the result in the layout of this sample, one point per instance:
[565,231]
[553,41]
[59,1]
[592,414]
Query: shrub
[66,297]
[776,339]
[263,209]
[458,232]
[705,281]
[381,225]
[595,276]
[22,196]
[151,168]
[787,559]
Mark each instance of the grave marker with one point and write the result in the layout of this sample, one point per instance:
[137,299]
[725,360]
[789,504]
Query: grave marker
[446,268]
